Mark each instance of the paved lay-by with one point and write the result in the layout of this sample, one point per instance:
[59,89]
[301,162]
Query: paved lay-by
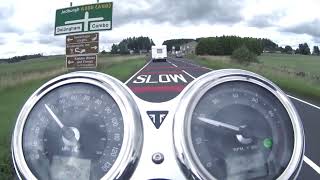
[160,82]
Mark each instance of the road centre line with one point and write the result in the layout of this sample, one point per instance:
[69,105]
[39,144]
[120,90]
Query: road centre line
[137,73]
[172,64]
[188,74]
[311,164]
[192,64]
[182,70]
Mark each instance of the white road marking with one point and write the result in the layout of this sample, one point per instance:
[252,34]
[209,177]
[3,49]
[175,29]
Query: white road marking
[304,102]
[183,70]
[188,74]
[137,72]
[172,64]
[193,64]
[311,164]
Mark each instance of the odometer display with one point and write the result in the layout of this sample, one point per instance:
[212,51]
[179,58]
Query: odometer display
[240,130]
[75,131]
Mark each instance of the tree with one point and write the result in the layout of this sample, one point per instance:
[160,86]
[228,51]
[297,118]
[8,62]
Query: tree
[244,56]
[269,45]
[316,50]
[288,50]
[114,49]
[281,49]
[176,43]
[135,44]
[225,45]
[303,49]
[123,46]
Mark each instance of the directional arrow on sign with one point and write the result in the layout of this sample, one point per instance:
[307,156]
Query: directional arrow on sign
[70,62]
[69,39]
[95,38]
[94,47]
[78,50]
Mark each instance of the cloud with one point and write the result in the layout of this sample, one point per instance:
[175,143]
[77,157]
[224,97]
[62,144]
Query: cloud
[316,40]
[50,40]
[311,28]
[181,12]
[3,41]
[47,29]
[5,25]
[27,40]
[265,20]
[110,40]
[6,12]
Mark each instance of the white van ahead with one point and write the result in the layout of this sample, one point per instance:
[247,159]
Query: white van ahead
[159,53]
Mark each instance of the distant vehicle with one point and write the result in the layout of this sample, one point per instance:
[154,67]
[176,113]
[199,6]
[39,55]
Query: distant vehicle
[179,54]
[159,53]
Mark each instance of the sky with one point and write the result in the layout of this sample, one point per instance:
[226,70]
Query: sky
[27,26]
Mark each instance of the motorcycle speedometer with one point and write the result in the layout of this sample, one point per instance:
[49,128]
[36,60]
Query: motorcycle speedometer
[237,125]
[82,125]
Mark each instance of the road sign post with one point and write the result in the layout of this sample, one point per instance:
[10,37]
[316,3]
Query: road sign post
[82,50]
[86,18]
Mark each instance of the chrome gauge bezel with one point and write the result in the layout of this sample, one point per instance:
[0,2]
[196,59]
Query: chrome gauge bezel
[133,132]
[185,153]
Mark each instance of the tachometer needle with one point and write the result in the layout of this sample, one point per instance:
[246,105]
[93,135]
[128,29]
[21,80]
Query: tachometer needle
[54,117]
[218,124]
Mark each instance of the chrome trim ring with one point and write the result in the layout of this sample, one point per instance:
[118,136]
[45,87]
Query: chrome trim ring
[133,132]
[185,153]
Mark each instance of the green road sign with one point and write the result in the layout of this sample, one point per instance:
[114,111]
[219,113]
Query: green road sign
[86,18]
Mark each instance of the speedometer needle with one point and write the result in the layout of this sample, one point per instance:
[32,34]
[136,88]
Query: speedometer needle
[70,133]
[218,124]
[54,117]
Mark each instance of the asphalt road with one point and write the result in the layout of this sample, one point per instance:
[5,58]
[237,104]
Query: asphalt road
[162,81]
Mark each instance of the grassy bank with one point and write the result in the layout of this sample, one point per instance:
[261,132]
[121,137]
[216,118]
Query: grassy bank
[296,74]
[14,95]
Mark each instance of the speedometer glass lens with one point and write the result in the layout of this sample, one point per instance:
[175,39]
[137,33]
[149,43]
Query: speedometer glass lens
[239,130]
[74,132]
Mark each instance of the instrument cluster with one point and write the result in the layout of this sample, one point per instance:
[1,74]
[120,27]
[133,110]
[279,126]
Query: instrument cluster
[226,124]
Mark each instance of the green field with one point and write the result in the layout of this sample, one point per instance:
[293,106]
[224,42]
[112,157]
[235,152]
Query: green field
[296,74]
[19,80]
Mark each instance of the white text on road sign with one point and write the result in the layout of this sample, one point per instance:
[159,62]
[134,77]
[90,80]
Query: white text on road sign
[69,29]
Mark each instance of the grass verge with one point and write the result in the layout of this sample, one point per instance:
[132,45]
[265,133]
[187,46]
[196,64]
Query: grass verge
[292,83]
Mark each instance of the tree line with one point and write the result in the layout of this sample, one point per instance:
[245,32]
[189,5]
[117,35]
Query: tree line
[225,45]
[21,58]
[302,49]
[176,43]
[135,44]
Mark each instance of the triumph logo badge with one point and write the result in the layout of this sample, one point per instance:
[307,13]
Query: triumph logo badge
[157,117]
